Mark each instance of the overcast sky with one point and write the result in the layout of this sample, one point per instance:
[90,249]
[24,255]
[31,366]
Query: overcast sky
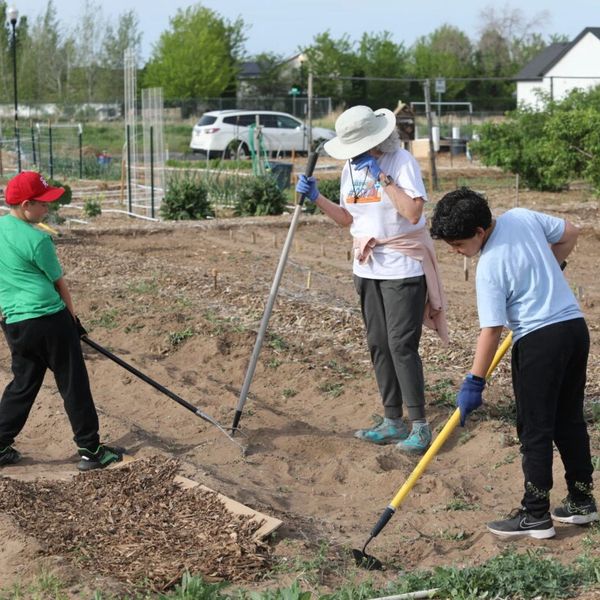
[281,26]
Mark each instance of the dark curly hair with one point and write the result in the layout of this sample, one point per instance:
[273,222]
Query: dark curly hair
[458,215]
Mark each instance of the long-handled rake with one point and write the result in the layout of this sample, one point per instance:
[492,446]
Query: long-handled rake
[160,388]
[370,562]
[310,167]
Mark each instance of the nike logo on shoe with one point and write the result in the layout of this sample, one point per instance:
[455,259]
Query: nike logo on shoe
[524,524]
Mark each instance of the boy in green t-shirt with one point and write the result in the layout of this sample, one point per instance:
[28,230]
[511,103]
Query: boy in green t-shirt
[40,326]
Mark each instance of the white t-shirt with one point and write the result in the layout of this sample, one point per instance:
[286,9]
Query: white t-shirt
[519,282]
[375,215]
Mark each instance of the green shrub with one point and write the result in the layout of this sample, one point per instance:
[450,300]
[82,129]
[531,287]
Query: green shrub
[92,207]
[186,198]
[259,196]
[548,148]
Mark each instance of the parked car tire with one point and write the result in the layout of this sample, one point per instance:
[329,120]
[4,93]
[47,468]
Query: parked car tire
[237,151]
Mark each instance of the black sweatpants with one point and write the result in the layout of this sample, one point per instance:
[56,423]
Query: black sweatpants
[49,342]
[549,373]
[392,311]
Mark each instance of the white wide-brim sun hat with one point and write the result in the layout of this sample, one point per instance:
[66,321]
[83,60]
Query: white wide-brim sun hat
[359,129]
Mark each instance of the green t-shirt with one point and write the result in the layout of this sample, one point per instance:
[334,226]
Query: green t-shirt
[28,269]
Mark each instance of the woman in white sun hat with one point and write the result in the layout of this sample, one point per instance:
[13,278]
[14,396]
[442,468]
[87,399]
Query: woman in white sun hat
[395,269]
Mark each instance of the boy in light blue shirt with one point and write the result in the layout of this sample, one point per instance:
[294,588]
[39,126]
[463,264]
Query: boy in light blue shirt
[520,286]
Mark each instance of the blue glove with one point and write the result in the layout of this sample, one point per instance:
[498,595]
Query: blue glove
[307,186]
[469,396]
[366,161]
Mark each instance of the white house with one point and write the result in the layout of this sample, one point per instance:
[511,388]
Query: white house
[560,68]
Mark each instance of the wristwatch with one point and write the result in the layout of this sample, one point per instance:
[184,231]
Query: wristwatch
[386,181]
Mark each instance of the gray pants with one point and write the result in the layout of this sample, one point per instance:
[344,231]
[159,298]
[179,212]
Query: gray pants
[393,310]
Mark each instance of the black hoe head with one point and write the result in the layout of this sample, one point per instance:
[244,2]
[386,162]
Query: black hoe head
[366,561]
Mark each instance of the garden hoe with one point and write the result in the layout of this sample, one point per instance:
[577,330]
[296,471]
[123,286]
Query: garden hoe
[370,562]
[160,388]
[310,167]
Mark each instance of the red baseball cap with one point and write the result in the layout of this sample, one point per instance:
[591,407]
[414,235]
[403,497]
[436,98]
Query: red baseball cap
[30,185]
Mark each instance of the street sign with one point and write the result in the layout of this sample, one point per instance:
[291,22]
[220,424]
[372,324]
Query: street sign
[440,86]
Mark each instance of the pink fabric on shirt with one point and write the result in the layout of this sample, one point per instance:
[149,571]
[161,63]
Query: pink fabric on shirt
[419,246]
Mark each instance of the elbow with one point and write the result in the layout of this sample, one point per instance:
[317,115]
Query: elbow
[414,219]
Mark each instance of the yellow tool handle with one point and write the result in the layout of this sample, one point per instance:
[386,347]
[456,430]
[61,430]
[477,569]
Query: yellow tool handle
[500,353]
[47,228]
[443,434]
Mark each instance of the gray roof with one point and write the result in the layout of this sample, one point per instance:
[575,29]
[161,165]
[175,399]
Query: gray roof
[536,68]
[249,70]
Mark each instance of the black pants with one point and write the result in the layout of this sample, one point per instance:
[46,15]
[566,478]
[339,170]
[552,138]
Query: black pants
[49,342]
[549,374]
[392,311]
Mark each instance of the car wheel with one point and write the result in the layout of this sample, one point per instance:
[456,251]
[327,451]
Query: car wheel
[237,151]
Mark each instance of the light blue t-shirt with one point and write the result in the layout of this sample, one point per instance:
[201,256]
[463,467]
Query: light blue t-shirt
[519,282]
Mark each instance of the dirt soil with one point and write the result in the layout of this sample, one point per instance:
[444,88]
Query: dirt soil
[183,302]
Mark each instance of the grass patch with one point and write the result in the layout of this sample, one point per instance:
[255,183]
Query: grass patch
[106,319]
[511,574]
[460,503]
[277,342]
[144,286]
[177,338]
[443,393]
[332,389]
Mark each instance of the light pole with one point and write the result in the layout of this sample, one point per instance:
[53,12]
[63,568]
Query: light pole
[13,15]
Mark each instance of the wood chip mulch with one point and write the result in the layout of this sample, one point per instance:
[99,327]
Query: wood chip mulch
[134,523]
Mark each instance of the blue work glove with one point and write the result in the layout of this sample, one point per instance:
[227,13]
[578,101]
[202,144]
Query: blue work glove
[366,161]
[307,186]
[469,396]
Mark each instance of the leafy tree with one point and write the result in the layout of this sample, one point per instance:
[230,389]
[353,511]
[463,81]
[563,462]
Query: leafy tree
[448,53]
[329,59]
[506,43]
[549,148]
[114,44]
[272,79]
[379,56]
[116,41]
[198,56]
[45,58]
[89,38]
[573,137]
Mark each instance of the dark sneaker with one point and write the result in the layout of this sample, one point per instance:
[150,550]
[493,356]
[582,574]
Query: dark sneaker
[387,432]
[418,441]
[101,458]
[578,513]
[521,523]
[9,456]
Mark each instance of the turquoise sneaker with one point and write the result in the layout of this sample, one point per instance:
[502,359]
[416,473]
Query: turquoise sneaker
[387,432]
[418,441]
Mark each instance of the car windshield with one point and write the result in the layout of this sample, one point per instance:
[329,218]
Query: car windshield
[207,120]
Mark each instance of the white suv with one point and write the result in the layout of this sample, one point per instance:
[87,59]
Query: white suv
[228,133]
